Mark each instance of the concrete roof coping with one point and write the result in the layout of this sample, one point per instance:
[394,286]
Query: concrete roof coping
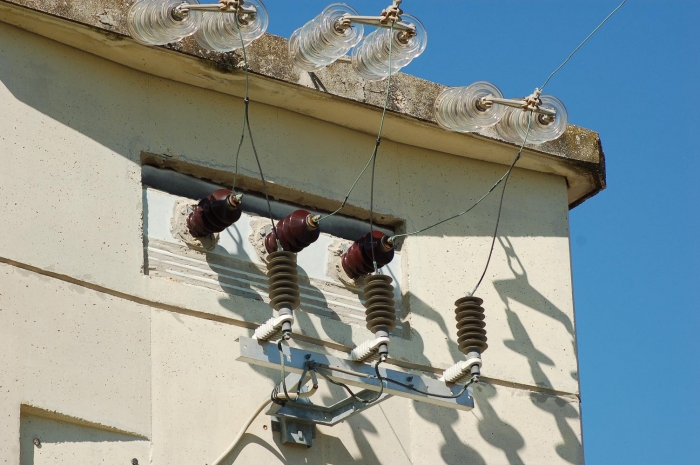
[335,94]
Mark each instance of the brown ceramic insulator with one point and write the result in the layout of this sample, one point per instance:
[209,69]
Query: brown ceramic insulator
[471,335]
[294,231]
[214,213]
[283,280]
[357,261]
[378,300]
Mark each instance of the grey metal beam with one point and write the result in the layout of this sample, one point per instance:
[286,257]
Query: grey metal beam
[356,374]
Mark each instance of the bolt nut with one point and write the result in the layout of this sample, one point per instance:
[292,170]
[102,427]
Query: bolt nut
[37,442]
[134,462]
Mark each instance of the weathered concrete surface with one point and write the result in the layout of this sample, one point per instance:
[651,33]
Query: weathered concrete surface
[69,350]
[335,94]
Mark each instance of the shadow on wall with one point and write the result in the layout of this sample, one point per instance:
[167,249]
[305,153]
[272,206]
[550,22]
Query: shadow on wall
[571,450]
[492,428]
[44,440]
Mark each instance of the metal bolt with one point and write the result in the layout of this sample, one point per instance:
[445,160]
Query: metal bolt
[134,462]
[265,427]
[37,442]
[409,378]
[307,356]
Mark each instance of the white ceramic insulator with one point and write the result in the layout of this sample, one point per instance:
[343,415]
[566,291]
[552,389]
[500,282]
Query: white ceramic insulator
[459,370]
[367,349]
[271,327]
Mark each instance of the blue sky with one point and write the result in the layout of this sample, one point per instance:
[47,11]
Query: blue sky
[634,246]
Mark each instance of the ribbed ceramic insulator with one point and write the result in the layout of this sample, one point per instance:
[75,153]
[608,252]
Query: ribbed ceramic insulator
[357,261]
[283,280]
[214,213]
[295,233]
[378,299]
[471,335]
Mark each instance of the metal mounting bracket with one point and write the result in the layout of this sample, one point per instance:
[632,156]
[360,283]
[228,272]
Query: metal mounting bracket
[304,411]
[355,374]
[293,431]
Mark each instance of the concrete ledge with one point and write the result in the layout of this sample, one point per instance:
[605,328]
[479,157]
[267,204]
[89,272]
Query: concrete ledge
[335,94]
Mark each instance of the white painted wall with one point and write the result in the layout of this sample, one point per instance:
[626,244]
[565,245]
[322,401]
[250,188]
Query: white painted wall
[86,335]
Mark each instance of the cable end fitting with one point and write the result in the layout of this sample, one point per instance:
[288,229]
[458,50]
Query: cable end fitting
[460,371]
[235,199]
[274,326]
[371,350]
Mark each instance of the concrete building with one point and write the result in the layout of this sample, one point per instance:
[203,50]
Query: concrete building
[119,342]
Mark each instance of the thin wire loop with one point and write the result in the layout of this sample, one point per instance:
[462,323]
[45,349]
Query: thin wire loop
[376,145]
[352,394]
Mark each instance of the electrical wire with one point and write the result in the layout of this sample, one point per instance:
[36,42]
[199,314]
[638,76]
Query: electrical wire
[352,394]
[240,142]
[500,204]
[507,173]
[581,44]
[242,431]
[517,157]
[274,395]
[238,153]
[407,386]
[376,145]
[397,236]
[430,394]
[246,120]
[374,159]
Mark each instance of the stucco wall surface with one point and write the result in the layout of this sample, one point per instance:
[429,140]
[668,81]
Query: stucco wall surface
[127,375]
[74,128]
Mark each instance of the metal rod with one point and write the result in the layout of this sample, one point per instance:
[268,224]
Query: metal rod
[184,7]
[515,103]
[375,21]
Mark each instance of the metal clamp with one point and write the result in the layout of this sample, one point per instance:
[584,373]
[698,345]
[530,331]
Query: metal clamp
[530,103]
[245,13]
[390,17]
